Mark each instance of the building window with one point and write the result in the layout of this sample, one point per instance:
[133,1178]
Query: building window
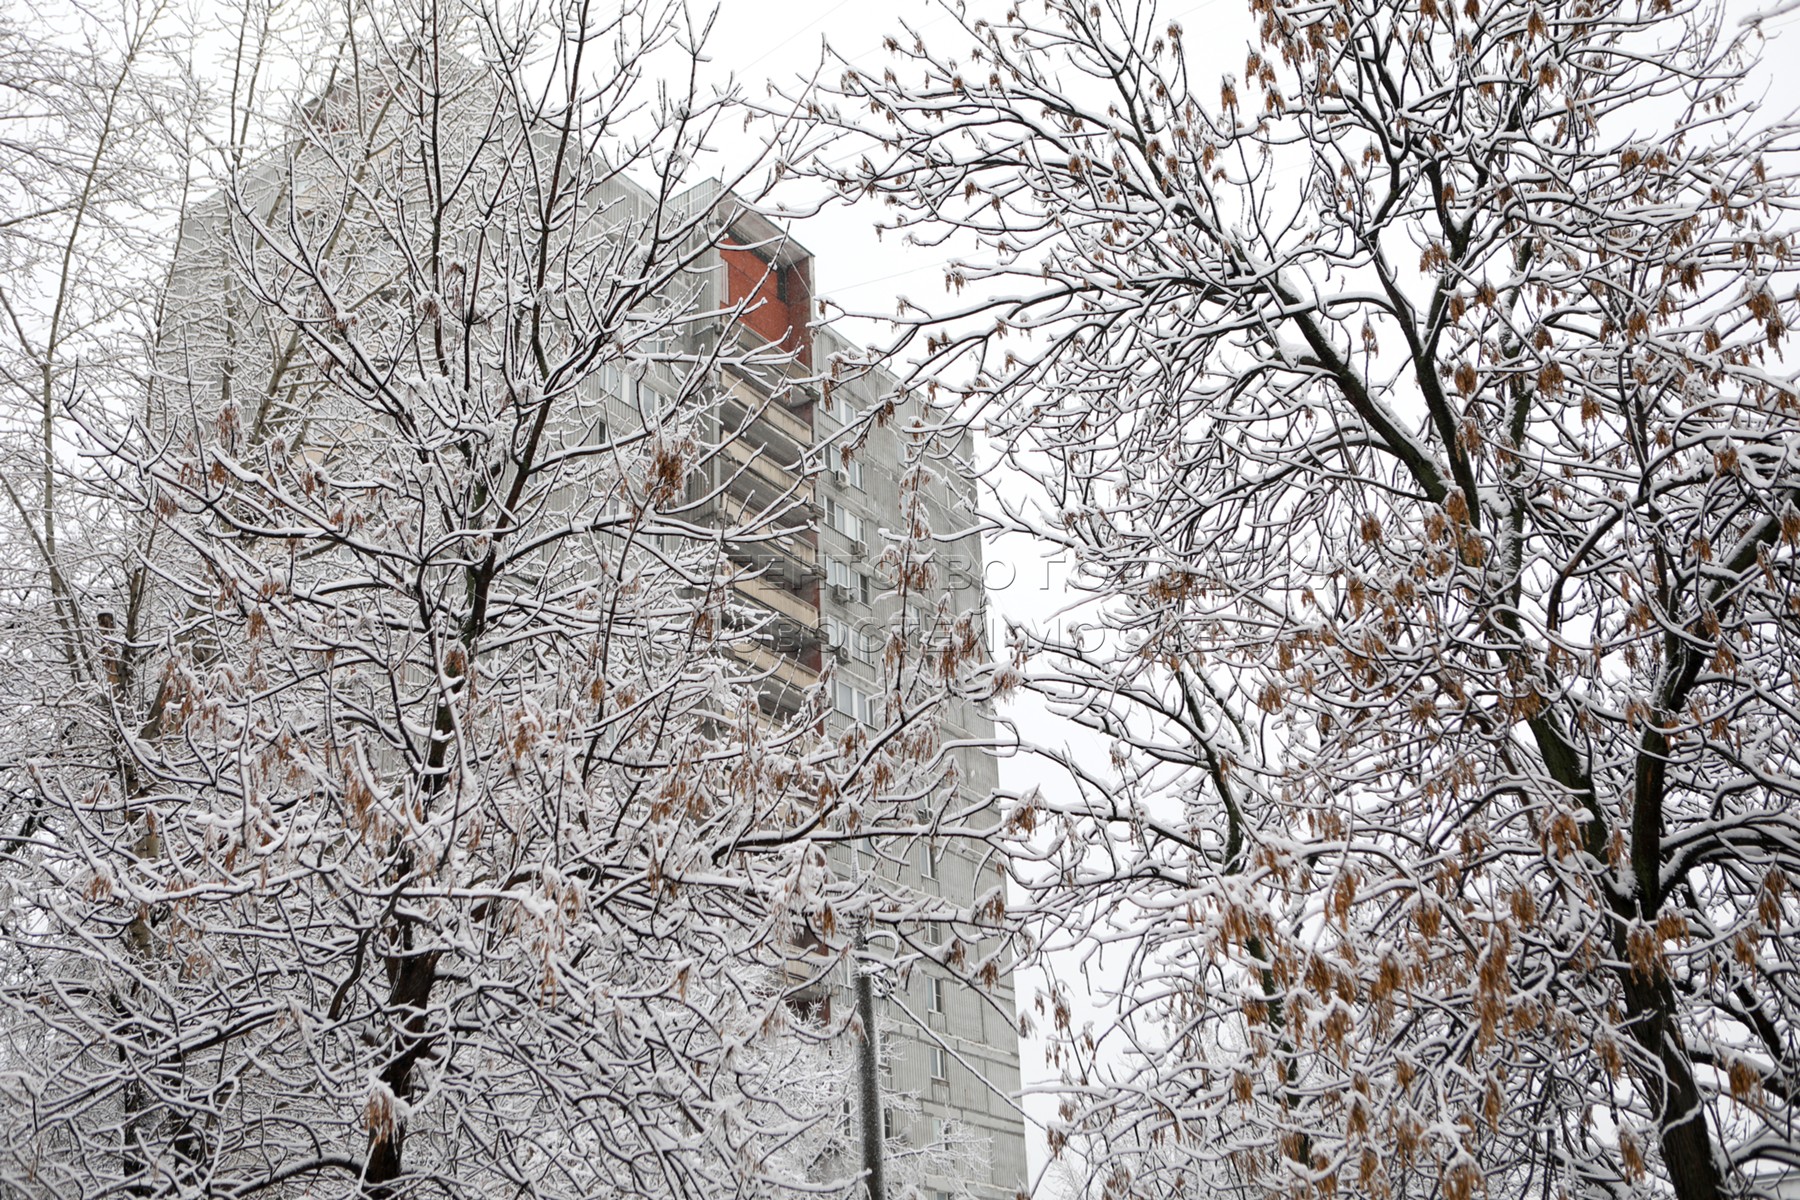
[616,383]
[856,585]
[839,575]
[927,861]
[940,1064]
[843,520]
[934,995]
[842,410]
[841,635]
[853,702]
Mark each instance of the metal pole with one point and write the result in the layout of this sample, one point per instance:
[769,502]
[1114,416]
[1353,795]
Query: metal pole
[868,1065]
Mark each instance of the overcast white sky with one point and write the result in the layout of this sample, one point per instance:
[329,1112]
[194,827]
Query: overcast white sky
[760,41]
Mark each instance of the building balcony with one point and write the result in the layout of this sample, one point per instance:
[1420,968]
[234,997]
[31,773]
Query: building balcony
[791,671]
[781,600]
[745,412]
[757,462]
[794,557]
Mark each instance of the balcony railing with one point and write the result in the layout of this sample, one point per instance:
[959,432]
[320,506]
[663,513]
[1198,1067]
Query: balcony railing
[743,400]
[790,671]
[760,463]
[779,599]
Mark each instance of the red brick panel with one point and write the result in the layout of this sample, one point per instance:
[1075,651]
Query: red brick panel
[760,286]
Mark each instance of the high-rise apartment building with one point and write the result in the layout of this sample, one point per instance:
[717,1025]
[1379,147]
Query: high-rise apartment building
[953,1052]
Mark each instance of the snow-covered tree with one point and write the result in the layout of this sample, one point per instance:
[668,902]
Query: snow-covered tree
[1414,412]
[427,833]
[94,134]
[92,142]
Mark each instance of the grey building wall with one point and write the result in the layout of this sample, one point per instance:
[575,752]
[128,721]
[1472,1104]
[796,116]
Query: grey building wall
[970,1085]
